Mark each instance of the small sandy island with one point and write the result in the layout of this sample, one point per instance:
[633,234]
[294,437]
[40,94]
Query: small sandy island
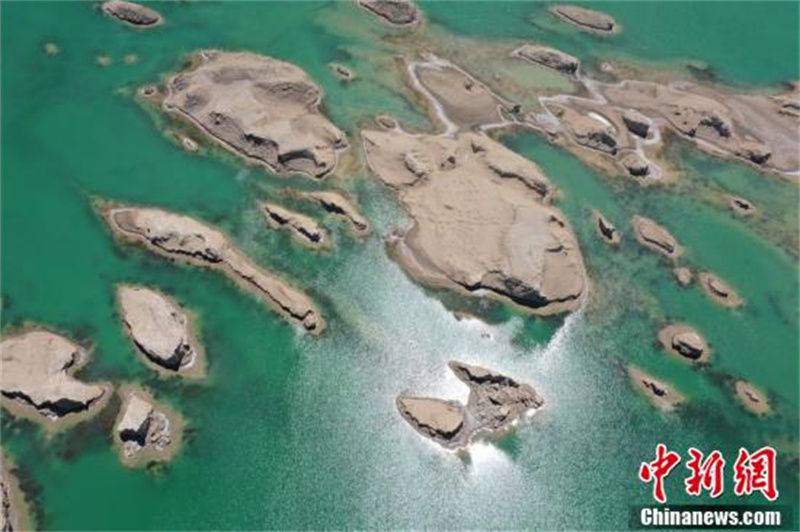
[659,393]
[587,19]
[335,203]
[342,72]
[481,224]
[161,331]
[683,275]
[38,380]
[719,290]
[400,13]
[145,430]
[15,511]
[653,236]
[132,14]
[605,229]
[495,404]
[684,341]
[304,229]
[753,400]
[187,240]
[741,206]
[548,57]
[263,110]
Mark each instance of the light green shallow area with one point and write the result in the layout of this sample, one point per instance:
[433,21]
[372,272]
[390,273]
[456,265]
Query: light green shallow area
[292,432]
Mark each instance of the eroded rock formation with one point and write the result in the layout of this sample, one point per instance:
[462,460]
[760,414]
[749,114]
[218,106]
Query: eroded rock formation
[401,13]
[38,380]
[655,237]
[304,228]
[161,330]
[188,240]
[496,402]
[480,219]
[684,341]
[262,109]
[660,394]
[586,19]
[145,431]
[336,204]
[133,14]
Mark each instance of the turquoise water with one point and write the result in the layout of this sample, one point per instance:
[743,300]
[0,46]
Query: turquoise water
[292,432]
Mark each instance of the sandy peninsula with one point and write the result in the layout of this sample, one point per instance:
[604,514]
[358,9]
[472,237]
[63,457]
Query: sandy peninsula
[132,14]
[187,240]
[495,404]
[398,13]
[146,431]
[162,331]
[38,379]
[15,510]
[264,110]
[660,394]
[304,229]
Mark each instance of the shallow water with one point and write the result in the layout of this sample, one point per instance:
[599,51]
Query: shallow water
[292,432]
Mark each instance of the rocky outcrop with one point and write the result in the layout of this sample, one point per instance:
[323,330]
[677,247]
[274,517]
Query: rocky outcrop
[264,110]
[636,122]
[607,231]
[496,402]
[185,239]
[587,130]
[660,394]
[635,164]
[337,204]
[684,341]
[549,57]
[653,236]
[38,380]
[145,431]
[741,206]
[719,290]
[304,228]
[586,19]
[342,72]
[683,276]
[15,514]
[480,222]
[401,13]
[752,399]
[161,330]
[436,419]
[132,14]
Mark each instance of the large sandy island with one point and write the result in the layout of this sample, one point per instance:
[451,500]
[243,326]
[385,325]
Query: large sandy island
[258,107]
[38,382]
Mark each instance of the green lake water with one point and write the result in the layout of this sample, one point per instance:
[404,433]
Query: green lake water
[291,432]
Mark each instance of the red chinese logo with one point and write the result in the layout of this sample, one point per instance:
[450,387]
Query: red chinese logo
[706,474]
[752,472]
[657,470]
[756,472]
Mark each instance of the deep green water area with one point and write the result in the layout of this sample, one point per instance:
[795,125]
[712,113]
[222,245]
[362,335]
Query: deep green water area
[291,432]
